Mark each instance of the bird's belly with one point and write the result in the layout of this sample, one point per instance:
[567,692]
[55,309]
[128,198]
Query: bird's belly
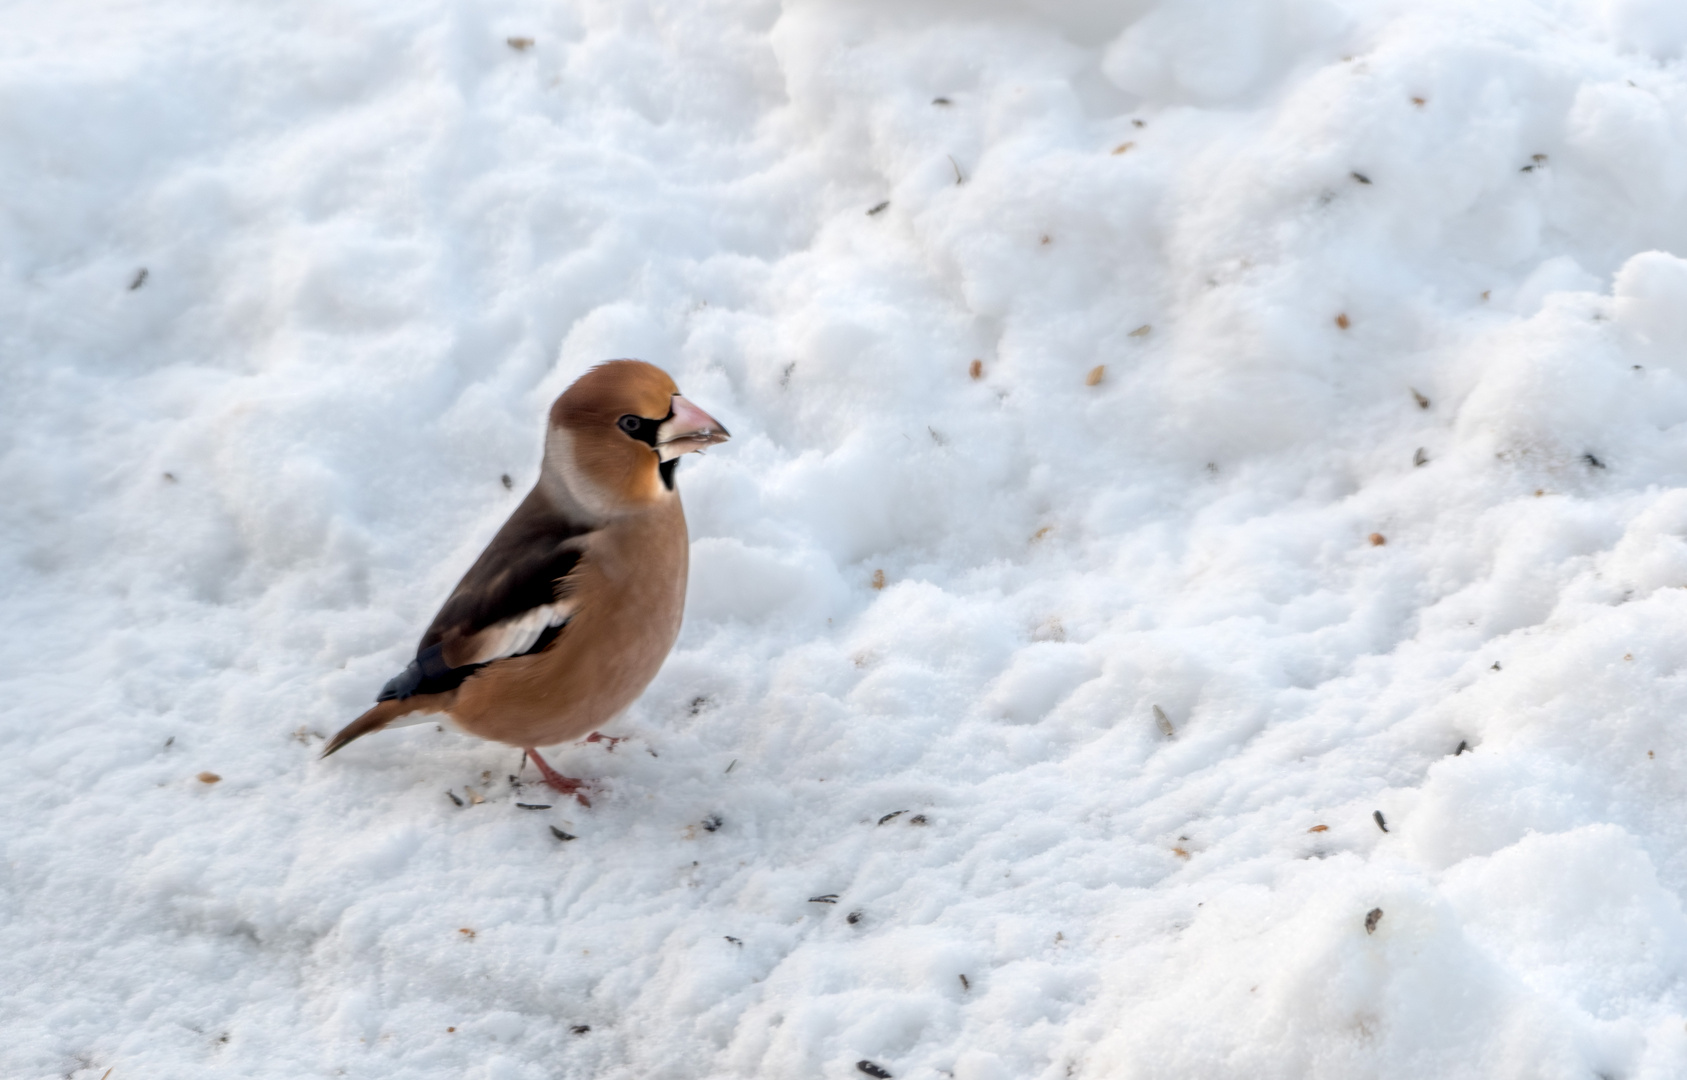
[593,671]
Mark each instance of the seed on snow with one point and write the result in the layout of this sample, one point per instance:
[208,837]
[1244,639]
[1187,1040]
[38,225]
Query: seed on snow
[1319,828]
[1097,373]
[560,835]
[879,208]
[1420,458]
[1141,331]
[1372,917]
[208,778]
[892,814]
[475,797]
[877,1071]
[453,797]
[1423,402]
[467,933]
[1163,722]
[1122,147]
[828,898]
[878,579]
[580,1029]
[1377,539]
[519,44]
[1343,321]
[976,369]
[534,806]
[1382,822]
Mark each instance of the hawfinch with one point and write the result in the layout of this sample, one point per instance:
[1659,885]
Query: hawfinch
[568,613]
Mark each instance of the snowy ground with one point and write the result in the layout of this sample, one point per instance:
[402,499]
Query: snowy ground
[1309,242]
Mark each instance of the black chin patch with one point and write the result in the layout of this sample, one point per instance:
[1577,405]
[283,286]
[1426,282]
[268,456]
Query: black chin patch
[667,470]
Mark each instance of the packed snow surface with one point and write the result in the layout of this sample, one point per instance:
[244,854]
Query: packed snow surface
[1165,435]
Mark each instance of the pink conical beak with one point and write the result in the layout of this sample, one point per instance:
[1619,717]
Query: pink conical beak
[690,428]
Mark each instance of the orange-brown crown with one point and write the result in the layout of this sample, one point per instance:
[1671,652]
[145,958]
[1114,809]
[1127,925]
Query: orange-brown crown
[619,471]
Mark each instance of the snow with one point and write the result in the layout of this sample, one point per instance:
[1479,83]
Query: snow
[1309,242]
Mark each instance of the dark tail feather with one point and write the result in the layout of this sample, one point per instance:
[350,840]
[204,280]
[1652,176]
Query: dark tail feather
[384,713]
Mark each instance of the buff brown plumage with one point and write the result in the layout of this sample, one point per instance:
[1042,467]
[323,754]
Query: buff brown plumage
[571,609]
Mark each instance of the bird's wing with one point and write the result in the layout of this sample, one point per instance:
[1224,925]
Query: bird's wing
[514,600]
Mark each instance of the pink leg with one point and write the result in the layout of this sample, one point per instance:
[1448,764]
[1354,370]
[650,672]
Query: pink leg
[598,736]
[565,784]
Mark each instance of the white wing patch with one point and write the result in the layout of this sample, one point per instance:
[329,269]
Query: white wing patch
[512,637]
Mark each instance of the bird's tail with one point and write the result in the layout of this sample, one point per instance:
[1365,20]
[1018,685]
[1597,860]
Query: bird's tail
[386,712]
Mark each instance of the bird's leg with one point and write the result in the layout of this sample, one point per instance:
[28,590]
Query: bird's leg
[565,784]
[598,736]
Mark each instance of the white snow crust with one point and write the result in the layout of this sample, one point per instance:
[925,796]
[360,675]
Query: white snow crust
[931,616]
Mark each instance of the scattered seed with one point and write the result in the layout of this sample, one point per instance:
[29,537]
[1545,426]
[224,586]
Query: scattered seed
[1496,666]
[734,940]
[1373,917]
[853,918]
[829,898]
[1423,402]
[1041,533]
[959,179]
[964,984]
[1593,461]
[879,208]
[892,814]
[1486,293]
[1649,754]
[1420,458]
[1463,746]
[1140,123]
[169,477]
[208,778]
[878,579]
[1163,722]
[1045,238]
[560,835]
[1141,331]
[506,481]
[785,379]
[1377,539]
[1418,102]
[475,797]
[1122,147]
[1097,373]
[534,805]
[139,280]
[712,822]
[106,1073]
[453,797]
[519,44]
[580,1029]
[1382,823]
[466,932]
[976,369]
[1343,321]
[936,436]
[729,767]
[940,101]
[450,1029]
[917,819]
[1180,853]
[1361,177]
[877,1071]
[1319,828]
[171,741]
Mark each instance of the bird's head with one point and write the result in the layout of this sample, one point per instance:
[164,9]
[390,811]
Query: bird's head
[617,434]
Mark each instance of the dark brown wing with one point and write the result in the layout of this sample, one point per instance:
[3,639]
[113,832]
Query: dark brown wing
[513,600]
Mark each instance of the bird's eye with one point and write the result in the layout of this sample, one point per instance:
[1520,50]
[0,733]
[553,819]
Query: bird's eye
[630,423]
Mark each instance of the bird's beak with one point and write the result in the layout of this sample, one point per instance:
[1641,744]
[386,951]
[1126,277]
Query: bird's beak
[688,429]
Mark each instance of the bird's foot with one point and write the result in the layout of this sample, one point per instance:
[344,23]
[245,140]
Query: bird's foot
[598,736]
[567,785]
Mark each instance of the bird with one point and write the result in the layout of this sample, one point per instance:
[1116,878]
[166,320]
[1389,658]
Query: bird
[567,615]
